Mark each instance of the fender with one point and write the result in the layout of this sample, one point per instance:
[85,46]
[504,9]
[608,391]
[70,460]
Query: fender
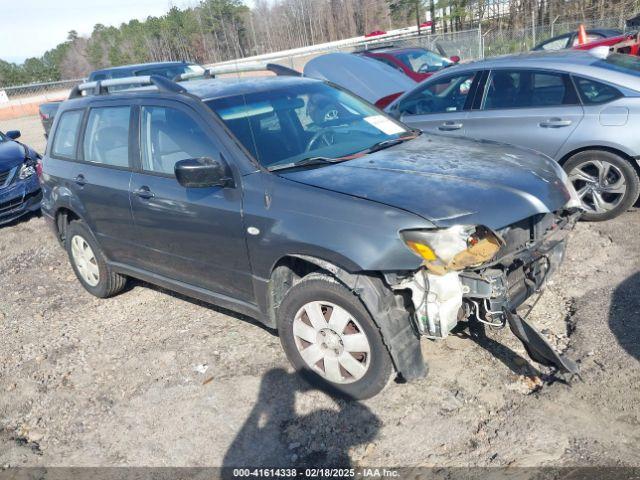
[394,322]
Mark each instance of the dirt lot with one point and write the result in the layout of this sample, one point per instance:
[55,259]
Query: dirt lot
[152,378]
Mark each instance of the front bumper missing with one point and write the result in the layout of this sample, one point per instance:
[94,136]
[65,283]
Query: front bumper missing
[492,295]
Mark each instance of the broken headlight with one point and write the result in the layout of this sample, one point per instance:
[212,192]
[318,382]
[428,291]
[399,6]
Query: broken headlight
[454,248]
[26,171]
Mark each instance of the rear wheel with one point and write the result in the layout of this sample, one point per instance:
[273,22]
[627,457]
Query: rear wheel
[89,264]
[328,334]
[607,184]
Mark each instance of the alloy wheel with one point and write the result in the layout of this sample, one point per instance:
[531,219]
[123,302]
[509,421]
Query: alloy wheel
[85,260]
[601,185]
[331,342]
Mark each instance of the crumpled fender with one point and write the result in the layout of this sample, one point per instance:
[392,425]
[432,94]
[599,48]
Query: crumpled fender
[394,323]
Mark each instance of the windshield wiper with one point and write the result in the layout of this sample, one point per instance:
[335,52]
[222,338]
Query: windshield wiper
[305,162]
[376,147]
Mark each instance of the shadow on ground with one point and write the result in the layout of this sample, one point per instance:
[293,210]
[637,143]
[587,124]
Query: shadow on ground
[275,435]
[624,315]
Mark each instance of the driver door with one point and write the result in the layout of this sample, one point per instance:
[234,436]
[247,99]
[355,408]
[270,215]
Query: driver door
[440,105]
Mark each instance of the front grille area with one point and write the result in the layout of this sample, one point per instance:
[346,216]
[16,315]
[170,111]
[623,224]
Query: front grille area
[3,177]
[525,232]
[10,205]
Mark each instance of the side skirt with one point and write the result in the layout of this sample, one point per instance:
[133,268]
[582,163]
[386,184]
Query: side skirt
[224,301]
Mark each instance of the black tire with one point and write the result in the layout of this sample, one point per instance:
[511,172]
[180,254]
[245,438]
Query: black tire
[628,171]
[109,282]
[325,289]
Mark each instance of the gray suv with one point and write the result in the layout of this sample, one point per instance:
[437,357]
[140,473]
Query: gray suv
[351,234]
[580,108]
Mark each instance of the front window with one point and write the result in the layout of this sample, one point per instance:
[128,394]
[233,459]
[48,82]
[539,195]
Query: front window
[423,61]
[443,95]
[288,125]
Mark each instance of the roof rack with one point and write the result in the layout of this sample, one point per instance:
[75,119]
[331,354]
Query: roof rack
[101,87]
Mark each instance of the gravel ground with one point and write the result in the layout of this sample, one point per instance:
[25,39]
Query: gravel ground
[156,379]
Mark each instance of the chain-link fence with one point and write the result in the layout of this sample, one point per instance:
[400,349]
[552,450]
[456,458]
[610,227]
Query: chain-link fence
[45,89]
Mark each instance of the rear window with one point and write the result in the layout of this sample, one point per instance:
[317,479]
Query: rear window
[66,136]
[621,63]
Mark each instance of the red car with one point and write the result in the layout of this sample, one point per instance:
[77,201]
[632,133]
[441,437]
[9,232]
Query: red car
[375,33]
[416,63]
[628,44]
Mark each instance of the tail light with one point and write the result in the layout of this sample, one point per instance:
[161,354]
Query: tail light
[384,101]
[39,168]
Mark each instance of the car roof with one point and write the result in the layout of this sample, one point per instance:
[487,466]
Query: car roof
[135,66]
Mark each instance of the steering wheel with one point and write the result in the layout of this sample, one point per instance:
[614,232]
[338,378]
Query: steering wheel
[324,135]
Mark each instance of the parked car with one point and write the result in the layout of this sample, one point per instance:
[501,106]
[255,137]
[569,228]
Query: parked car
[628,44]
[375,33]
[168,70]
[417,63]
[19,186]
[381,86]
[351,235]
[568,40]
[577,108]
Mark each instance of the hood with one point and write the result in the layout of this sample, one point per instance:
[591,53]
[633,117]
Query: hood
[11,154]
[366,77]
[449,180]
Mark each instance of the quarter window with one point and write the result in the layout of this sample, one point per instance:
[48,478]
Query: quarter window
[66,139]
[439,96]
[169,135]
[106,139]
[528,89]
[595,93]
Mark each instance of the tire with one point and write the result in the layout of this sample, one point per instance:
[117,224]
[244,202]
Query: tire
[620,174]
[97,278]
[339,349]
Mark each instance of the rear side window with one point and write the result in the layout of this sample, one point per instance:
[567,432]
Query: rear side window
[106,138]
[169,135]
[66,137]
[528,89]
[595,93]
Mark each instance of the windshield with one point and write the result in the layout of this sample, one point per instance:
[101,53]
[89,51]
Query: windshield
[621,63]
[421,60]
[2,137]
[288,125]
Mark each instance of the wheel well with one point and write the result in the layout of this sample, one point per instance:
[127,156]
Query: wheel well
[285,274]
[615,151]
[63,218]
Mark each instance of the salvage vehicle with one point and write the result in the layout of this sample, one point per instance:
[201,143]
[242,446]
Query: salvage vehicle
[416,63]
[19,186]
[168,70]
[353,235]
[579,108]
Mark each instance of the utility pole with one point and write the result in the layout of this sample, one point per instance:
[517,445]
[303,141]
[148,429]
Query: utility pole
[432,9]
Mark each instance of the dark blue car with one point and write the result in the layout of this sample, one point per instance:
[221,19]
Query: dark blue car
[19,185]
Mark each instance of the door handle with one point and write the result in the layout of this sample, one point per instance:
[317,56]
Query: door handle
[80,180]
[144,192]
[450,126]
[555,123]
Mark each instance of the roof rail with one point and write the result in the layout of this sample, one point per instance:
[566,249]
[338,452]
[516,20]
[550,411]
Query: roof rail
[278,69]
[101,87]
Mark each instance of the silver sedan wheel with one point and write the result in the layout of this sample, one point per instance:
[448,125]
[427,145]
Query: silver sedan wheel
[331,342]
[85,260]
[600,185]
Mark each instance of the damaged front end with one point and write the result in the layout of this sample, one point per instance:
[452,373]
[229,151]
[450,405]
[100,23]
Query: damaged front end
[472,272]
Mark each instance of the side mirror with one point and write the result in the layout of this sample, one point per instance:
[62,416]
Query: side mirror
[455,58]
[202,172]
[13,134]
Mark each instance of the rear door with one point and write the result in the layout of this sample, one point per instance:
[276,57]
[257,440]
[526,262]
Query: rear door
[537,109]
[439,105]
[90,156]
[192,235]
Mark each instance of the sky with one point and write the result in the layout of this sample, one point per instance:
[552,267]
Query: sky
[28,28]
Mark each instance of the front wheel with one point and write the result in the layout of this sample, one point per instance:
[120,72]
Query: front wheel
[607,184]
[328,334]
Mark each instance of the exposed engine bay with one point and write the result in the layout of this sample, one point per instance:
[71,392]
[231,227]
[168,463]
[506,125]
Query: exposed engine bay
[523,256]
